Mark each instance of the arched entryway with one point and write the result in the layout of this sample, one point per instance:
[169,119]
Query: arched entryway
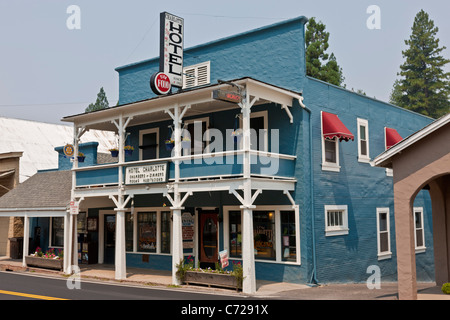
[421,161]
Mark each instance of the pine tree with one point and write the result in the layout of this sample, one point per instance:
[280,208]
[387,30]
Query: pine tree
[424,86]
[319,64]
[100,103]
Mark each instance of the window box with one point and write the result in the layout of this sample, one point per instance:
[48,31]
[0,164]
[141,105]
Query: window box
[212,279]
[56,264]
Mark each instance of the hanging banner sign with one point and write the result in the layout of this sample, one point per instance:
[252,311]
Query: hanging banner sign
[232,97]
[171,48]
[73,207]
[152,173]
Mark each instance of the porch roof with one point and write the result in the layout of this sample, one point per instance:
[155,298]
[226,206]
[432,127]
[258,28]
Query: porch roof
[200,99]
[44,194]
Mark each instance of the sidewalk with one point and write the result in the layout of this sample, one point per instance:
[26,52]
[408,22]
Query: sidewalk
[265,289]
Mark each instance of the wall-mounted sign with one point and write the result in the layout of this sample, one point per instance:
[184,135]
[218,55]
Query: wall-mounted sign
[187,223]
[171,48]
[68,150]
[160,83]
[228,96]
[152,173]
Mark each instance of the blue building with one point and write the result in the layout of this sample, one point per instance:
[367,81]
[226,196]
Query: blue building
[282,179]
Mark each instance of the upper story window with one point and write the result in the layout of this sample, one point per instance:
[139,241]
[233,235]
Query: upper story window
[259,139]
[198,135]
[148,144]
[333,131]
[196,75]
[363,140]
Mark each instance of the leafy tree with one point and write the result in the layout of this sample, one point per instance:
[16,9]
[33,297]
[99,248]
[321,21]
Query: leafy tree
[100,103]
[424,86]
[319,64]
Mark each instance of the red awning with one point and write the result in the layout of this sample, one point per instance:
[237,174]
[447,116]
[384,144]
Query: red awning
[334,128]
[392,137]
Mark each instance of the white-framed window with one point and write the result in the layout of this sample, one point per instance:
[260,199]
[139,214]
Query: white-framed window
[336,220]
[259,128]
[197,75]
[148,230]
[363,140]
[276,233]
[149,144]
[419,233]
[198,134]
[383,234]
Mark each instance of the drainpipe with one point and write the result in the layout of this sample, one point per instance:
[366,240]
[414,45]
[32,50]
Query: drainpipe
[313,281]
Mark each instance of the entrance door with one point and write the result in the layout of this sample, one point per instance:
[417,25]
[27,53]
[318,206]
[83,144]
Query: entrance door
[110,238]
[208,238]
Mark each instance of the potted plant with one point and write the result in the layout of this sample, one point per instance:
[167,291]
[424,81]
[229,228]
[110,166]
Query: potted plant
[81,157]
[446,288]
[128,150]
[170,143]
[114,152]
[49,260]
[186,142]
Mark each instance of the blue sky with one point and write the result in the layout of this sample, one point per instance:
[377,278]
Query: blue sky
[48,71]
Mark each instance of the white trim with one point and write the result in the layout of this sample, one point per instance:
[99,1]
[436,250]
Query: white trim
[141,137]
[205,139]
[385,254]
[363,122]
[329,166]
[336,230]
[405,143]
[277,209]
[422,248]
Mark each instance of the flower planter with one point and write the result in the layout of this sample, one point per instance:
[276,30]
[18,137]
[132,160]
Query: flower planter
[128,152]
[169,146]
[56,264]
[211,279]
[81,159]
[114,153]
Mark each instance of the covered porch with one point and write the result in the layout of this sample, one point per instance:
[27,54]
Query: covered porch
[245,172]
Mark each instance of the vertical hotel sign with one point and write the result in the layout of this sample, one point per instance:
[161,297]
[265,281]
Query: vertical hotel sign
[171,48]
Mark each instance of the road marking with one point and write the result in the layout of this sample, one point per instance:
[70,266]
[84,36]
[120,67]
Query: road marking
[34,296]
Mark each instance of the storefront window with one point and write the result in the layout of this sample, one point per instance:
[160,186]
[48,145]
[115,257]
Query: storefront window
[288,240]
[235,234]
[264,232]
[165,232]
[58,232]
[147,231]
[128,232]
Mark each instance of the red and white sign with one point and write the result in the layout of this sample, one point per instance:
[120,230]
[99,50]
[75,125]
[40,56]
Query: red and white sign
[160,83]
[73,207]
[224,258]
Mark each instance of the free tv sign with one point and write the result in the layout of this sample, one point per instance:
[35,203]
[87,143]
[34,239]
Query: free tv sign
[171,48]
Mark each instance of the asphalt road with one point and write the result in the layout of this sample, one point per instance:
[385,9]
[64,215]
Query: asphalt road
[16,286]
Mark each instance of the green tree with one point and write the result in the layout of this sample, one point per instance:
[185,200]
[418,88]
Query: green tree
[100,103]
[424,87]
[319,64]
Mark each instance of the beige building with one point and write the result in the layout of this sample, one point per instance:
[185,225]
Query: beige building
[9,179]
[421,161]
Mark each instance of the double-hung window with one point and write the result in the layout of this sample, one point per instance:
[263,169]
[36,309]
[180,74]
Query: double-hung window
[57,235]
[148,144]
[419,234]
[383,234]
[363,140]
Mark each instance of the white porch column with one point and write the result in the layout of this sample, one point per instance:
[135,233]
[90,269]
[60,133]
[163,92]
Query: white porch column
[248,248]
[26,238]
[66,243]
[121,272]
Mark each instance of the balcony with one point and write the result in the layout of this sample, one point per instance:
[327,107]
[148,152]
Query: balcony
[211,166]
